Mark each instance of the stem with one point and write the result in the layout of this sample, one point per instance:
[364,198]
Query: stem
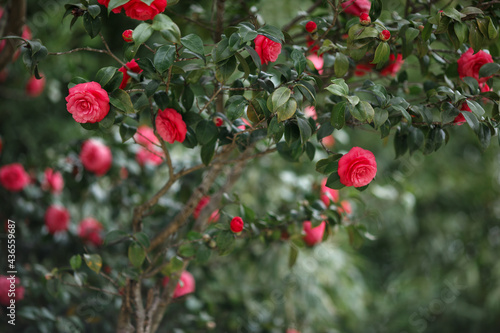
[211,100]
[300,17]
[15,21]
[109,51]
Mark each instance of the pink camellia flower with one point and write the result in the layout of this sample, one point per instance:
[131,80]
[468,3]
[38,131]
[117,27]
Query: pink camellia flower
[1,144]
[145,136]
[310,112]
[127,36]
[460,119]
[53,181]
[7,286]
[328,194]
[214,217]
[313,235]
[34,87]
[267,49]
[138,10]
[185,286]
[356,7]
[311,27]
[363,69]
[117,10]
[357,168]
[13,177]
[364,19]
[345,207]
[469,64]
[328,141]
[89,230]
[145,156]
[96,157]
[56,219]
[170,126]
[236,224]
[151,153]
[317,61]
[394,65]
[88,102]
[291,330]
[132,66]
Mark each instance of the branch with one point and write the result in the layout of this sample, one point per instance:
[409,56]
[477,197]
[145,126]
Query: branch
[334,21]
[140,315]
[109,51]
[78,50]
[211,100]
[15,21]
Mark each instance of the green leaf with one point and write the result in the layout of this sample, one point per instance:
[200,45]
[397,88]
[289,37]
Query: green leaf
[341,65]
[279,97]
[142,33]
[461,31]
[222,50]
[381,53]
[105,74]
[299,61]
[93,261]
[475,38]
[272,33]
[142,238]
[207,152]
[310,151]
[380,117]
[338,88]
[305,129]
[355,238]
[206,131]
[136,254]
[75,261]
[338,115]
[324,130]
[333,181]
[115,235]
[187,250]
[247,31]
[116,3]
[415,139]
[292,257]
[235,106]
[426,33]
[367,32]
[225,242]
[287,110]
[453,14]
[375,9]
[492,30]
[94,10]
[489,69]
[484,135]
[475,107]
[363,111]
[127,132]
[194,44]
[90,126]
[328,165]
[169,30]
[471,120]
[91,25]
[225,69]
[255,57]
[164,58]
[121,100]
[411,34]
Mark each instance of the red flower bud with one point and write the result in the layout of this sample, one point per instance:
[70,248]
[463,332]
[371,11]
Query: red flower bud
[364,19]
[311,27]
[218,121]
[236,224]
[127,36]
[384,35]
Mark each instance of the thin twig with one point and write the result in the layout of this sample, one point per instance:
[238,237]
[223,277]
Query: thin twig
[211,100]
[299,17]
[109,50]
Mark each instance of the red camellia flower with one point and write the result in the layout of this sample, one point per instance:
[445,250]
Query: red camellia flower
[127,36]
[96,157]
[357,168]
[267,49]
[394,65]
[384,35]
[138,10]
[469,64]
[356,7]
[364,19]
[313,235]
[34,87]
[88,102]
[170,126]
[311,26]
[7,285]
[214,217]
[236,224]
[185,286]
[53,181]
[56,219]
[131,66]
[145,136]
[117,10]
[218,121]
[89,230]
[363,69]
[13,177]
[328,194]
[460,119]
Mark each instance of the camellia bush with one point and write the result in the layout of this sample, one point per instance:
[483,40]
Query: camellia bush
[168,124]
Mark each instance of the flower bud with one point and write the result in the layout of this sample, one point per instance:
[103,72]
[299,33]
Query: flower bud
[311,27]
[384,35]
[127,36]
[364,19]
[236,224]
[218,121]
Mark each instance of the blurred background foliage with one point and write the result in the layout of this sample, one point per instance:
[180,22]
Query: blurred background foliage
[431,267]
